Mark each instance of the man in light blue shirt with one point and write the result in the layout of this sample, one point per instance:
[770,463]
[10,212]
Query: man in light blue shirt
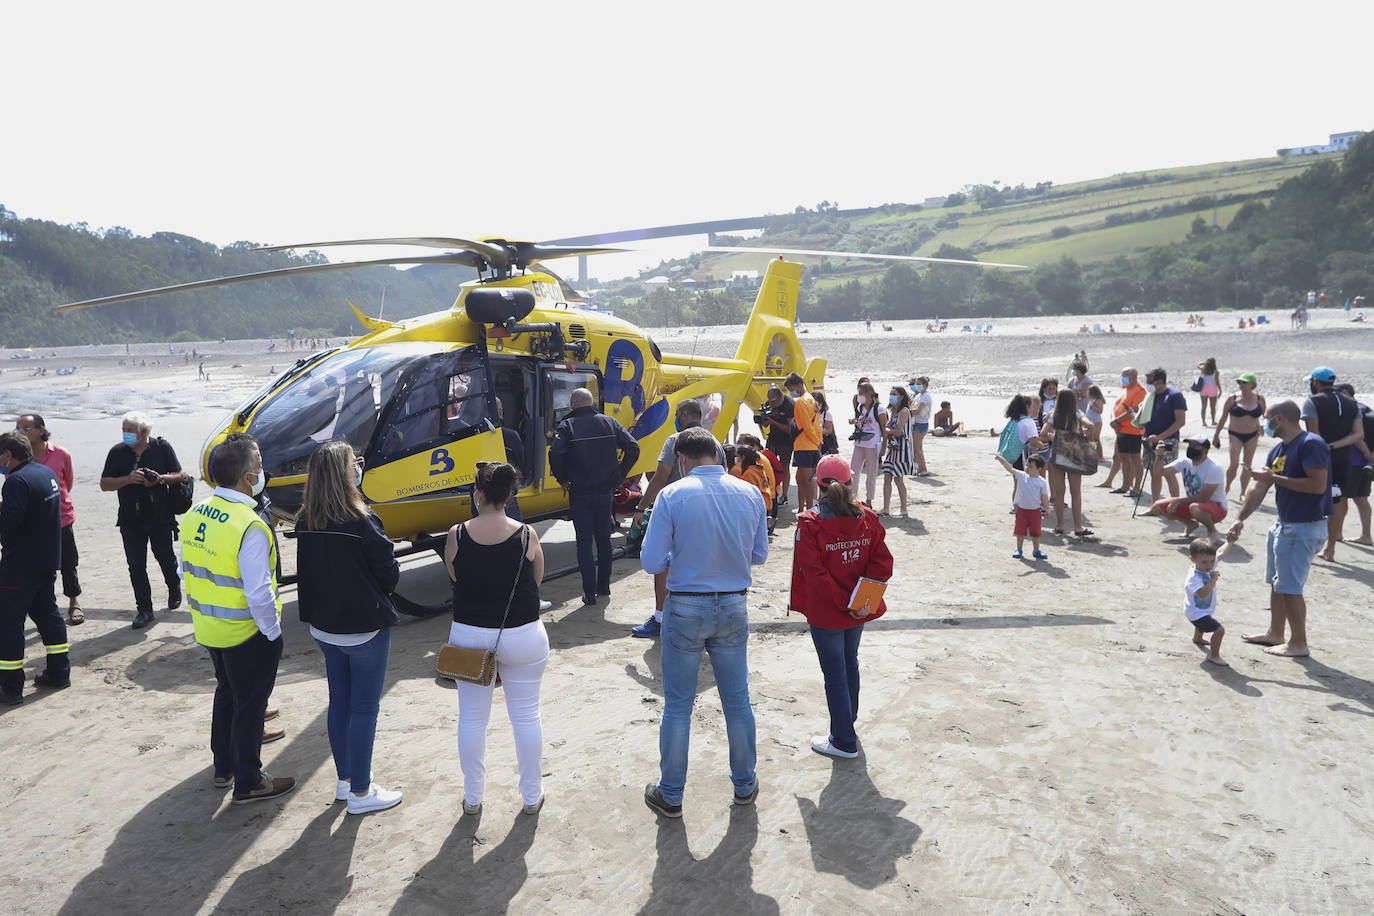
[707,530]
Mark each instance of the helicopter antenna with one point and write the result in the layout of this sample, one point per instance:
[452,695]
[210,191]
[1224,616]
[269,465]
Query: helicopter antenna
[381,310]
[693,357]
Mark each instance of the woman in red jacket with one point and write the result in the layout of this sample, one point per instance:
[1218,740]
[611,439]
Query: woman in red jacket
[836,545]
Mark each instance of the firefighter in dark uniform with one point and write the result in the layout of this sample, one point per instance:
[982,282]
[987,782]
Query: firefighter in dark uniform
[30,555]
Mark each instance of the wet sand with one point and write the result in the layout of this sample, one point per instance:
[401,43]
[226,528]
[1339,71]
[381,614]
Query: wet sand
[1038,735]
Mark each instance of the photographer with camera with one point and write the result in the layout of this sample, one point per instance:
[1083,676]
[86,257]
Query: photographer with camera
[869,420]
[774,419]
[141,469]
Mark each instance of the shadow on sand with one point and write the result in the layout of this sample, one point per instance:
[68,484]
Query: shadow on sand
[854,831]
[456,880]
[723,882]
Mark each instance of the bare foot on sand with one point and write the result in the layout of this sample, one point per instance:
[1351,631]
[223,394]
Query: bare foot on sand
[1218,660]
[1201,642]
[1365,541]
[1328,557]
[1262,639]
[1287,651]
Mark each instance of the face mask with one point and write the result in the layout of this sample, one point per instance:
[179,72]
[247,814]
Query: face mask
[357,475]
[1125,381]
[1195,454]
[259,484]
[131,438]
[892,401]
[1269,428]
[918,388]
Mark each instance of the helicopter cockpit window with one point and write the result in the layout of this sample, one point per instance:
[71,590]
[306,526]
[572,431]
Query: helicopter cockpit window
[445,400]
[339,397]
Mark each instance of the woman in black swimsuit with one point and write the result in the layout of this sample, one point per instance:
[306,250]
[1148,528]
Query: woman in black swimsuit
[1243,411]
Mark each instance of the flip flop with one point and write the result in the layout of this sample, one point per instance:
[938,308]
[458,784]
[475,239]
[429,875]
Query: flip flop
[1084,533]
[1061,531]
[75,616]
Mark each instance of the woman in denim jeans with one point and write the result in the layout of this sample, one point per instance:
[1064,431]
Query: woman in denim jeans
[839,543]
[347,571]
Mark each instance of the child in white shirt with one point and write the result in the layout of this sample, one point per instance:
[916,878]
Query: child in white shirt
[1032,499]
[1200,596]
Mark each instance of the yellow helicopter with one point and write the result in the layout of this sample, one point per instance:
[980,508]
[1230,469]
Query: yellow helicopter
[425,399]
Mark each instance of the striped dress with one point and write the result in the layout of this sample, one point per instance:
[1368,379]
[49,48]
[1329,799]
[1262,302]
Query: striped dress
[897,462]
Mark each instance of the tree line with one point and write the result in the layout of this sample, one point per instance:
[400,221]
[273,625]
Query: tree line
[44,264]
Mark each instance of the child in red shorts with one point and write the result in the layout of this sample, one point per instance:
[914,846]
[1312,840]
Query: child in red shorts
[1032,497]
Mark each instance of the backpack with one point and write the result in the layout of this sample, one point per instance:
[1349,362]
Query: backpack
[1009,446]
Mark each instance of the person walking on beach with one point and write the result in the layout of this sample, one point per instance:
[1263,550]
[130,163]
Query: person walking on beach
[1128,434]
[496,565]
[707,531]
[1032,502]
[1243,411]
[1336,418]
[1210,390]
[591,454]
[1160,449]
[869,420]
[669,470]
[229,559]
[837,545]
[141,470]
[897,461]
[1300,468]
[922,412]
[347,571]
[58,460]
[1200,597]
[30,554]
[1065,420]
[1079,382]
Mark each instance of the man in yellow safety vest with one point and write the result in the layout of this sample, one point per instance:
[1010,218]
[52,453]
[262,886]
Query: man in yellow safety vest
[228,559]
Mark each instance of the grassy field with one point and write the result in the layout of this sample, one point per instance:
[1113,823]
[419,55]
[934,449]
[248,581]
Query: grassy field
[1093,213]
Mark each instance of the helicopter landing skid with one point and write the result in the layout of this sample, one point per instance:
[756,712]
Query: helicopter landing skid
[415,609]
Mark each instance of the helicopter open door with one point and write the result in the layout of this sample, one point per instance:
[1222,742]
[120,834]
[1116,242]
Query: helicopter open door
[432,434]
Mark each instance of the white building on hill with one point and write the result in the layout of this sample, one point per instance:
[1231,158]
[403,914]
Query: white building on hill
[1339,143]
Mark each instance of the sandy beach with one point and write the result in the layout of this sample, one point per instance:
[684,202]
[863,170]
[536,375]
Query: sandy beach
[1035,737]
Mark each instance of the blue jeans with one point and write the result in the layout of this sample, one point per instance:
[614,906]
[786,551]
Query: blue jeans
[591,518]
[720,625]
[356,676]
[838,651]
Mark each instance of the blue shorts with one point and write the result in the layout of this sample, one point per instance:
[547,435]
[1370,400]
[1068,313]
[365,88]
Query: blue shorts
[1208,624]
[1289,553]
[921,428]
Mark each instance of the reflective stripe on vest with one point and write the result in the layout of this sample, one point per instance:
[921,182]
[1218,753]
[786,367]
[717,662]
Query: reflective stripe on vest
[211,535]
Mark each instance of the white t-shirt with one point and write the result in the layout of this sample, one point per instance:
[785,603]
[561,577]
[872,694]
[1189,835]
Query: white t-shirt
[1026,430]
[1031,492]
[1195,479]
[921,410]
[1194,607]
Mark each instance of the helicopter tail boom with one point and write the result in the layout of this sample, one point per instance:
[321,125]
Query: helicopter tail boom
[770,345]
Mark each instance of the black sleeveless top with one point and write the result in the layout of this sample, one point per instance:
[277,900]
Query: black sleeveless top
[483,575]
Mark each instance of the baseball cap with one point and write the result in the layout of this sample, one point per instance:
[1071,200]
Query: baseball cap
[1199,440]
[832,469]
[1321,374]
[1248,378]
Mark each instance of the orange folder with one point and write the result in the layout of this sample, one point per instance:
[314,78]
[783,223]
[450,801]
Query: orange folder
[867,592]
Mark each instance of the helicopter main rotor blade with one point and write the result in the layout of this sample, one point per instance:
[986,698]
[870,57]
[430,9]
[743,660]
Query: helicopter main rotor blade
[494,255]
[464,258]
[858,254]
[570,292]
[535,252]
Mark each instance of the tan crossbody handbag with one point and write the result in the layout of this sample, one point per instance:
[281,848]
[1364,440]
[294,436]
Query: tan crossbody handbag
[478,666]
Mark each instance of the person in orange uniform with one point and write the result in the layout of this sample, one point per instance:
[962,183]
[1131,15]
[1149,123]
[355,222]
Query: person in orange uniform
[839,543]
[1128,435]
[806,443]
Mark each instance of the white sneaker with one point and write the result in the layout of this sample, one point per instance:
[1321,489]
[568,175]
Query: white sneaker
[343,789]
[821,745]
[544,605]
[376,799]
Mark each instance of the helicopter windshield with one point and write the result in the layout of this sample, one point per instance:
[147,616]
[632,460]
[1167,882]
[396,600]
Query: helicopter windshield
[339,397]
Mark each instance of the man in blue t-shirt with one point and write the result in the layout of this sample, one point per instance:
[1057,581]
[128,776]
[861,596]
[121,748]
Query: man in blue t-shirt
[1161,431]
[1300,467]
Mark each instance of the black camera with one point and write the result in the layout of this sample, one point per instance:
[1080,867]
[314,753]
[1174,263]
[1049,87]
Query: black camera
[761,419]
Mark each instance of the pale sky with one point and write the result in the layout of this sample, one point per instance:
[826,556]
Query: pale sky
[295,121]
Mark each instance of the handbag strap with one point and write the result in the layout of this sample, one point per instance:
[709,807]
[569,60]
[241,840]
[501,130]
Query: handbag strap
[519,568]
